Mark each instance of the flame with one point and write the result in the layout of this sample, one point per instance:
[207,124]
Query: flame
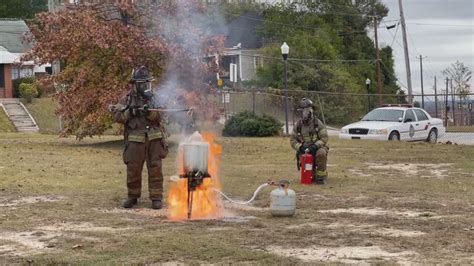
[206,202]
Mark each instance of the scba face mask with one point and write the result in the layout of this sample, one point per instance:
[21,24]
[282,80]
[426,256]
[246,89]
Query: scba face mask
[144,89]
[307,114]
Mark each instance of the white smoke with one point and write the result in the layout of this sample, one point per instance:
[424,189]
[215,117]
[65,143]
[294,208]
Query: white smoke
[188,27]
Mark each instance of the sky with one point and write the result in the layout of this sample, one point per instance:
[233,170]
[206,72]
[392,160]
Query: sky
[440,30]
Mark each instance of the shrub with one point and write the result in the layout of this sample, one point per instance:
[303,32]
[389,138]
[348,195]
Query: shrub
[27,80]
[247,124]
[17,82]
[28,91]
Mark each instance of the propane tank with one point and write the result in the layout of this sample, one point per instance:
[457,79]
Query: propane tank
[306,160]
[283,200]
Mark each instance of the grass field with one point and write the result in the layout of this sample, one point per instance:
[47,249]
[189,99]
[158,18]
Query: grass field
[460,129]
[384,202]
[43,111]
[5,124]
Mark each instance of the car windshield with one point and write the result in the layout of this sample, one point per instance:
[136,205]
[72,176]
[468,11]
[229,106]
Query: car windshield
[383,115]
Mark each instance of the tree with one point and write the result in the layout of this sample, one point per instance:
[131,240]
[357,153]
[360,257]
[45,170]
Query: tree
[332,31]
[461,76]
[98,45]
[24,9]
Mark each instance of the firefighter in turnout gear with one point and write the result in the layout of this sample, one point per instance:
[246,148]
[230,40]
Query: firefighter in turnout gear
[145,139]
[310,134]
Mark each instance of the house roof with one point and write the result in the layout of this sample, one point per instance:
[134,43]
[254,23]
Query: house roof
[9,58]
[11,34]
[13,58]
[243,30]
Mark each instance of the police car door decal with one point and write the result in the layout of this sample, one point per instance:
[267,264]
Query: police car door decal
[412,131]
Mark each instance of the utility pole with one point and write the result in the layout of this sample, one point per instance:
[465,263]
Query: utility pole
[436,96]
[422,90]
[452,102]
[407,57]
[446,107]
[379,78]
[461,122]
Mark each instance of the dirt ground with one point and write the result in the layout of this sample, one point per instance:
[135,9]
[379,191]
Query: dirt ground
[384,203]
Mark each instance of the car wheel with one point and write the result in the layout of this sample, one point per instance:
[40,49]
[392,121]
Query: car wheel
[394,136]
[433,136]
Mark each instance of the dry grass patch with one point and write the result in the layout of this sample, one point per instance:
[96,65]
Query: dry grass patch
[71,191]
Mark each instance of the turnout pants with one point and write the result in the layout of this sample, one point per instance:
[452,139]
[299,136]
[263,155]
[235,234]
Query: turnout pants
[321,157]
[134,156]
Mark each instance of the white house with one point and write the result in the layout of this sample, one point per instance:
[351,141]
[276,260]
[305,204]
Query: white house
[241,56]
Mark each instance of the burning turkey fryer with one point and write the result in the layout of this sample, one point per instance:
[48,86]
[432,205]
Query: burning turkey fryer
[195,158]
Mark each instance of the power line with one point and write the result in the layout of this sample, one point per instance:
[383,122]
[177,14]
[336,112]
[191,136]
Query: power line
[416,49]
[294,25]
[411,54]
[340,33]
[311,59]
[393,35]
[444,25]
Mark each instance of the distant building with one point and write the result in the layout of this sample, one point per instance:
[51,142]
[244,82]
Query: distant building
[242,47]
[11,50]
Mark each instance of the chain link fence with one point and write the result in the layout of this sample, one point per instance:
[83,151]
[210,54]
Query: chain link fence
[339,109]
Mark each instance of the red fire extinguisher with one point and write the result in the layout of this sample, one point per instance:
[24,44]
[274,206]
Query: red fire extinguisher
[306,160]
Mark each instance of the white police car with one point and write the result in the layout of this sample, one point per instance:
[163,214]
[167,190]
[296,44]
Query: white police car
[395,123]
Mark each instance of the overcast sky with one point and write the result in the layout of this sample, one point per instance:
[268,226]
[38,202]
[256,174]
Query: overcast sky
[441,30]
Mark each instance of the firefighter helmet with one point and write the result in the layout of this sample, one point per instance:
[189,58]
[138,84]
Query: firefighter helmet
[141,74]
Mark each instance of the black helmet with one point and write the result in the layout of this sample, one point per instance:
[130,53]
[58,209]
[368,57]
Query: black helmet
[141,74]
[305,103]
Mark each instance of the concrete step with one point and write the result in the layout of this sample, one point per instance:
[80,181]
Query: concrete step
[24,123]
[28,131]
[8,100]
[24,116]
[19,115]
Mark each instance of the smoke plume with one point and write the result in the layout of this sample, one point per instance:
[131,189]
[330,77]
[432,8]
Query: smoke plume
[196,35]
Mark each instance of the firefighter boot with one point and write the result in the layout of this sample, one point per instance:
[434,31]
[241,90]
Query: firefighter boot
[320,177]
[320,180]
[130,202]
[156,204]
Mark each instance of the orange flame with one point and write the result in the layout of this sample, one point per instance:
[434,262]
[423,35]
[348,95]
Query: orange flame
[206,202]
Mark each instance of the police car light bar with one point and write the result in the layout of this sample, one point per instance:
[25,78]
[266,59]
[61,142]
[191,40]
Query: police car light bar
[397,105]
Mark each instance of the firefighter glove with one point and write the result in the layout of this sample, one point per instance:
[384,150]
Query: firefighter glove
[302,148]
[313,148]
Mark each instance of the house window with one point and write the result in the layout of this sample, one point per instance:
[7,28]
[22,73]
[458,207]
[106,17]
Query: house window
[15,73]
[26,72]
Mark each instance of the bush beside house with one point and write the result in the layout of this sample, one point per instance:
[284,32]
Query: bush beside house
[28,91]
[43,89]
